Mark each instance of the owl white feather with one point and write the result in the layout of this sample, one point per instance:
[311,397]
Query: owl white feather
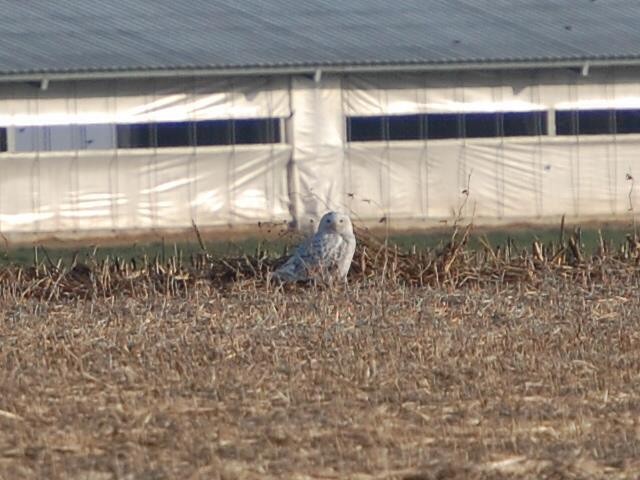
[327,254]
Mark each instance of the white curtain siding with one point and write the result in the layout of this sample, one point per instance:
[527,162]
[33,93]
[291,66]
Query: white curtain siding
[490,92]
[103,189]
[317,133]
[94,191]
[142,101]
[511,178]
[512,181]
[314,168]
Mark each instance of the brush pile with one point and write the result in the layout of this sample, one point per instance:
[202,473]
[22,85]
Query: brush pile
[452,266]
[455,265]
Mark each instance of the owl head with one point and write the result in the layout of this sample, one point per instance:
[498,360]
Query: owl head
[335,222]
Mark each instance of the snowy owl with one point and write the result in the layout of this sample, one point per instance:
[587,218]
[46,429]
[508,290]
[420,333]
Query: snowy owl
[328,253]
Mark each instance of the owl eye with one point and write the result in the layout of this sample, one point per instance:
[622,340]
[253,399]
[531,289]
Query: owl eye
[341,221]
[328,220]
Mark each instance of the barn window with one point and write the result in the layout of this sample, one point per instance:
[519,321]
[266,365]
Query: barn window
[136,135]
[585,122]
[478,125]
[97,137]
[406,127]
[522,124]
[49,138]
[627,121]
[174,134]
[248,131]
[435,126]
[3,139]
[597,122]
[209,132]
[238,132]
[444,125]
[214,132]
[365,129]
[29,139]
[403,127]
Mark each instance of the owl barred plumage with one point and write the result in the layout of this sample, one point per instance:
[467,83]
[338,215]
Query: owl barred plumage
[326,255]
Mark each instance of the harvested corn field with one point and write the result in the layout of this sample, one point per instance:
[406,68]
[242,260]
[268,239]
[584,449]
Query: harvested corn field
[452,363]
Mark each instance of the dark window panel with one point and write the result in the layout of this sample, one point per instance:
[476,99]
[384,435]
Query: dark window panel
[566,122]
[595,122]
[365,129]
[521,124]
[252,131]
[628,121]
[272,130]
[248,132]
[585,122]
[406,127]
[543,123]
[240,132]
[481,125]
[214,132]
[443,125]
[137,135]
[3,139]
[174,134]
[446,125]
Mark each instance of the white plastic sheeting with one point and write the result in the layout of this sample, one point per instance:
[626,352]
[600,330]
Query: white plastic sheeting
[315,169]
[512,179]
[439,93]
[127,189]
[317,133]
[141,101]
[105,192]
[490,92]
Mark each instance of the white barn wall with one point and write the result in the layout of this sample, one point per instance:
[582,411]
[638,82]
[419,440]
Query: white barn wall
[318,147]
[512,179]
[56,193]
[128,189]
[139,101]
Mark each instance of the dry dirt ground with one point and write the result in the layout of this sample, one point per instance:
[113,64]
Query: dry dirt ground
[369,381]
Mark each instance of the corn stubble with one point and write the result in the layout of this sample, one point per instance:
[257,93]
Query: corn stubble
[452,363]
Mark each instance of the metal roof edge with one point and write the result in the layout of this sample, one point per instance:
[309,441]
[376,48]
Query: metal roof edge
[311,69]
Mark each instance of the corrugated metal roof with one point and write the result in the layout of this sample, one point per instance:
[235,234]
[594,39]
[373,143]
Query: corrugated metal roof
[44,36]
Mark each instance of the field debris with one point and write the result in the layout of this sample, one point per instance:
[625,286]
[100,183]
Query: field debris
[448,364]
[453,265]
